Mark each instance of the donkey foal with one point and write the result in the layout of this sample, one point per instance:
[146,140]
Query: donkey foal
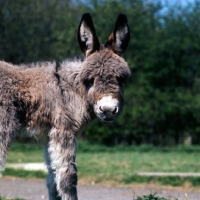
[53,101]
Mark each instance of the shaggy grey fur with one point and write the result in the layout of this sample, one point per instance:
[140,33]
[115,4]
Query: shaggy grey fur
[53,101]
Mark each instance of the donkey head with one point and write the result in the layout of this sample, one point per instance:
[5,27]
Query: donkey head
[104,71]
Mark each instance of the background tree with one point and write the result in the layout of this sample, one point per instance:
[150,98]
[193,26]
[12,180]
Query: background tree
[162,98]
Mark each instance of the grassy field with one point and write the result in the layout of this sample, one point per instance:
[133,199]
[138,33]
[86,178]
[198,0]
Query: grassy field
[118,165]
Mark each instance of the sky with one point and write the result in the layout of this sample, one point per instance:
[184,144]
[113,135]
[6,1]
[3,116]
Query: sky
[174,2]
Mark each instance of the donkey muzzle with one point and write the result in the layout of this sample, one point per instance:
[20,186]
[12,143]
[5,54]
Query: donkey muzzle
[107,108]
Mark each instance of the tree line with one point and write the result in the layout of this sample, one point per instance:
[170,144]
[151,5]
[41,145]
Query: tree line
[162,98]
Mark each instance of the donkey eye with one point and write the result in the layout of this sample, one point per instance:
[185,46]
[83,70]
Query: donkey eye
[89,82]
[120,81]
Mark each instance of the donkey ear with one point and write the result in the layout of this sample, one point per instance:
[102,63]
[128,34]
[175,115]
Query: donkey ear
[119,39]
[87,38]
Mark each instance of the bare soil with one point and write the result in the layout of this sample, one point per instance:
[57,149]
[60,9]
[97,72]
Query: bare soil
[35,189]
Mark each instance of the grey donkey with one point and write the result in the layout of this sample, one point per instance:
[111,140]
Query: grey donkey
[52,101]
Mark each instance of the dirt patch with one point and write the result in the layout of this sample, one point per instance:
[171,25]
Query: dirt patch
[35,189]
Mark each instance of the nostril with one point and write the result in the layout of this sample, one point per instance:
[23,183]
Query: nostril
[115,110]
[100,108]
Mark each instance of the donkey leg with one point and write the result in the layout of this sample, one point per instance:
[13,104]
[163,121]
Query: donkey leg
[7,128]
[62,150]
[51,184]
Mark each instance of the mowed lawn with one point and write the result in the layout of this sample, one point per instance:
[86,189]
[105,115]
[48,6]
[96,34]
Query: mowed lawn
[121,165]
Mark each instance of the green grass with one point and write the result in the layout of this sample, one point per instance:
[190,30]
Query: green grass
[3,198]
[120,164]
[25,153]
[122,167]
[24,173]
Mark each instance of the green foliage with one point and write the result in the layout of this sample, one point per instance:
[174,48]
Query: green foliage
[87,147]
[25,147]
[162,101]
[37,30]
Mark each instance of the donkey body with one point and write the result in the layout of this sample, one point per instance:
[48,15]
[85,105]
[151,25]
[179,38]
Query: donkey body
[52,101]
